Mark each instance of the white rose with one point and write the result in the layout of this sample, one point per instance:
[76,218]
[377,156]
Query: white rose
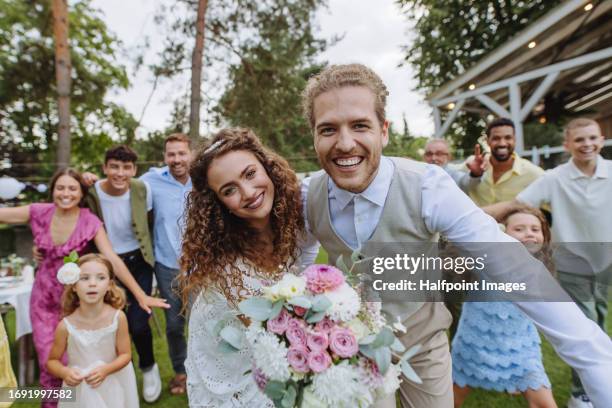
[69,273]
[391,381]
[291,286]
[359,329]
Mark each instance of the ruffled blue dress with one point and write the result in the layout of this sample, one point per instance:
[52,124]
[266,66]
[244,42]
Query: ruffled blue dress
[497,347]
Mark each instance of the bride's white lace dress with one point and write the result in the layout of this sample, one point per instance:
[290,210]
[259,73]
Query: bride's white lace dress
[215,379]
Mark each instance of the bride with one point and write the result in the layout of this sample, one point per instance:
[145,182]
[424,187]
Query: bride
[243,220]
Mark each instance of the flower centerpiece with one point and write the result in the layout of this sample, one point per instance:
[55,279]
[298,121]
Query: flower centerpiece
[315,343]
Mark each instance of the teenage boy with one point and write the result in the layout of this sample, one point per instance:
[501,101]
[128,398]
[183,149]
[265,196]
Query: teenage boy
[123,204]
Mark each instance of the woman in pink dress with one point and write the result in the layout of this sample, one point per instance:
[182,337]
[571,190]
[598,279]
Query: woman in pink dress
[59,228]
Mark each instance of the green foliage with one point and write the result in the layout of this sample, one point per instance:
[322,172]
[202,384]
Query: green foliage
[452,36]
[405,144]
[268,48]
[28,108]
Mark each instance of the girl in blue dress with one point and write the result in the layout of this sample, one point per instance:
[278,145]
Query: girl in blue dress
[496,346]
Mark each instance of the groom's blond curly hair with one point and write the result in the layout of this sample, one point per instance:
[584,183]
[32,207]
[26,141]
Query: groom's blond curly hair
[340,76]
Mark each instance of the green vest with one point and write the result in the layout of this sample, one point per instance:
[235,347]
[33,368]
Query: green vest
[140,220]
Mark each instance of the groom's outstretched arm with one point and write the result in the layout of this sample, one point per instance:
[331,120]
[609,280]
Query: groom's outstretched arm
[577,340]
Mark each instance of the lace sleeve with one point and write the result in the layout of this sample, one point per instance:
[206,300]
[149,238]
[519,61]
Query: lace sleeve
[215,379]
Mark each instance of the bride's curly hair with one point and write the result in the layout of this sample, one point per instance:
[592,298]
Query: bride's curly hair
[215,239]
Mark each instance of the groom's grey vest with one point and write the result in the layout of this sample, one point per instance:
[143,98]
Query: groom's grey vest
[401,220]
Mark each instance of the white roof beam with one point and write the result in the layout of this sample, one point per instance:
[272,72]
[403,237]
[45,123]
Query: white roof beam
[493,106]
[527,76]
[449,120]
[525,36]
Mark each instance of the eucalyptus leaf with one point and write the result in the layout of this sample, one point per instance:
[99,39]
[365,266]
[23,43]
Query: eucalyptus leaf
[409,372]
[288,400]
[382,357]
[411,352]
[367,339]
[256,308]
[301,301]
[315,317]
[367,351]
[385,338]
[397,346]
[233,336]
[356,256]
[341,265]
[275,390]
[277,307]
[226,348]
[321,303]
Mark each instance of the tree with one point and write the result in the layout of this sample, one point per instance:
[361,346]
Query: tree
[196,71]
[453,35]
[62,74]
[268,48]
[28,91]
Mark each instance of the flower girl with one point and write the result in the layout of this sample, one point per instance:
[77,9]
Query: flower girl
[94,331]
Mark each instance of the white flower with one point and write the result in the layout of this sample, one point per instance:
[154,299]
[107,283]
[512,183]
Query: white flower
[271,357]
[344,303]
[69,273]
[399,326]
[310,400]
[339,385]
[359,329]
[291,286]
[391,381]
[288,287]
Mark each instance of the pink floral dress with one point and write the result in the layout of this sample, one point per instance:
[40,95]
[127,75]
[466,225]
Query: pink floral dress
[45,303]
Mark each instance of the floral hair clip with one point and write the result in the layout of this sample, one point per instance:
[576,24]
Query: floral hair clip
[69,273]
[214,146]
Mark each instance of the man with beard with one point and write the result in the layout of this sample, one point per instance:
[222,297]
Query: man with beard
[508,174]
[170,185]
[361,198]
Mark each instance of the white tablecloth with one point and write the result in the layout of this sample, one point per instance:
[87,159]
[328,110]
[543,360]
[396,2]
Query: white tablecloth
[19,298]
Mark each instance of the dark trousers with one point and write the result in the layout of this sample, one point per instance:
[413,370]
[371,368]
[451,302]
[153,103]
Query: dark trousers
[138,319]
[175,321]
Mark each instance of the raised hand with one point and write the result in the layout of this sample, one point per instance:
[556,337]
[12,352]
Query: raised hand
[478,164]
[89,178]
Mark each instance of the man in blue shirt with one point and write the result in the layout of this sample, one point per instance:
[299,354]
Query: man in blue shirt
[170,185]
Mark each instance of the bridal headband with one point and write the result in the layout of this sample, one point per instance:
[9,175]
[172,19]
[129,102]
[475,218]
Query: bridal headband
[214,146]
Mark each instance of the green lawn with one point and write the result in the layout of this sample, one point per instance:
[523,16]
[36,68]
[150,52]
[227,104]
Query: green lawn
[558,372]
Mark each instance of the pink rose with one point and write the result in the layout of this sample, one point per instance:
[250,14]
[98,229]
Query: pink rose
[296,336]
[298,359]
[295,322]
[317,341]
[342,342]
[300,311]
[325,325]
[318,361]
[278,325]
[322,278]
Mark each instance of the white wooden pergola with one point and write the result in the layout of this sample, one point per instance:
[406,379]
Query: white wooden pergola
[567,50]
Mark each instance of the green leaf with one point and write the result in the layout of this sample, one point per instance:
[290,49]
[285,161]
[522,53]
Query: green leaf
[385,338]
[397,346]
[382,357]
[315,317]
[256,308]
[411,352]
[226,348]
[288,400]
[72,257]
[341,265]
[275,389]
[321,303]
[409,372]
[369,339]
[276,308]
[233,336]
[356,256]
[301,301]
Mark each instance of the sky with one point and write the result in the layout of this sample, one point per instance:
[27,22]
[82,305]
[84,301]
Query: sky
[373,34]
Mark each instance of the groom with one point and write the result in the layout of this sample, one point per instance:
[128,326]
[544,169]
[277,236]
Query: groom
[362,196]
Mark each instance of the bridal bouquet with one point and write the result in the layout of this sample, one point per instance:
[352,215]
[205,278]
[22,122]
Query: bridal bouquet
[316,344]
